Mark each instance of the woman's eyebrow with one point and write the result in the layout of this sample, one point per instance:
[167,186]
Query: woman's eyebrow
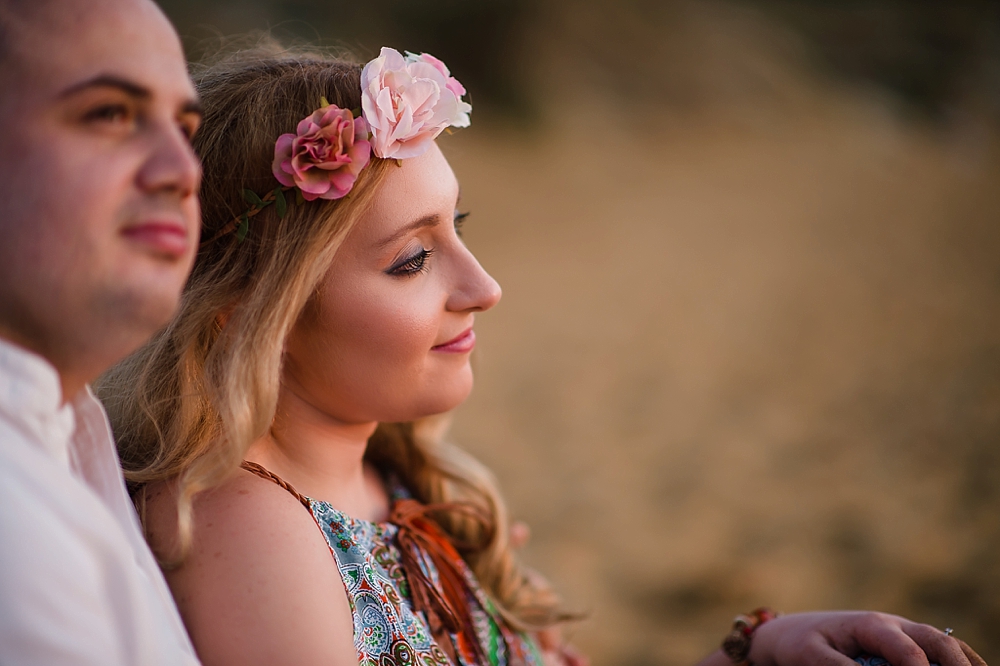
[426,221]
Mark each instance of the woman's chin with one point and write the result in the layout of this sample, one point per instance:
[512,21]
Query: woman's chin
[443,400]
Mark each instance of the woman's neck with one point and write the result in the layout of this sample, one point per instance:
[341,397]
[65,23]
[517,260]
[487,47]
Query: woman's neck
[322,457]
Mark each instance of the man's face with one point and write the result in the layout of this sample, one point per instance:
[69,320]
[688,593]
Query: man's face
[98,183]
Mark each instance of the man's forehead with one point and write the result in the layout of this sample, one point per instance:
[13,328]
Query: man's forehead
[56,44]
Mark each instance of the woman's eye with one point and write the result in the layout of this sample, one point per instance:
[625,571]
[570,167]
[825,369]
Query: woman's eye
[415,264]
[459,221]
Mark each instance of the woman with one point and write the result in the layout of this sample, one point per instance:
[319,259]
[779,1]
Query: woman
[328,321]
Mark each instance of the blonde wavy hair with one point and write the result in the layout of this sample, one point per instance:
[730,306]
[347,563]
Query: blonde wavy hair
[187,406]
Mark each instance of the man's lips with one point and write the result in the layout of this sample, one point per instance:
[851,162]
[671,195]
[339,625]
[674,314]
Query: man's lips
[461,344]
[163,237]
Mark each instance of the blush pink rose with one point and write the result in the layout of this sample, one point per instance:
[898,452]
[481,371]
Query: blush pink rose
[451,82]
[409,101]
[325,155]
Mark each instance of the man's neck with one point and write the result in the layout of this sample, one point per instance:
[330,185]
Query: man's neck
[70,383]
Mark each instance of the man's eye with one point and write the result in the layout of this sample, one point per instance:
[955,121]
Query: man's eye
[189,130]
[110,114]
[189,123]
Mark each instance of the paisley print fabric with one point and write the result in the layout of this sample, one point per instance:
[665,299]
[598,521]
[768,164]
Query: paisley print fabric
[387,631]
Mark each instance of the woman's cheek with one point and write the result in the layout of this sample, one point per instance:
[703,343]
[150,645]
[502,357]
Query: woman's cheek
[406,328]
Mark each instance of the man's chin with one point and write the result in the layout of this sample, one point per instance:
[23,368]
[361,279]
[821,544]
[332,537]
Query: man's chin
[141,312]
[156,311]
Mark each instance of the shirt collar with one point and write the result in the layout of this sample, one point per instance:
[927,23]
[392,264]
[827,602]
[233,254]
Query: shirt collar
[31,400]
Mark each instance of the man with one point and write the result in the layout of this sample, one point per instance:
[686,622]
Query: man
[98,230]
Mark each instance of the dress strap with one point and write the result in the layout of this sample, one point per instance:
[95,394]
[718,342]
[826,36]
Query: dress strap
[264,473]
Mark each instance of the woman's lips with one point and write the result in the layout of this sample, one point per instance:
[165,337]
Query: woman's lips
[463,343]
[164,238]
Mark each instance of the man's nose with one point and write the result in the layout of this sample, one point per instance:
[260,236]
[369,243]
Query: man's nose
[172,165]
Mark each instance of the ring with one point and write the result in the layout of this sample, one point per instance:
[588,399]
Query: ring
[948,631]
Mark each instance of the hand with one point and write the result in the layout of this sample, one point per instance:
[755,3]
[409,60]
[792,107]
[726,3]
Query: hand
[823,639]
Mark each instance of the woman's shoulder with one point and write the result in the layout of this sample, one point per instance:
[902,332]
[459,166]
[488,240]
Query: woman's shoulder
[259,583]
[240,510]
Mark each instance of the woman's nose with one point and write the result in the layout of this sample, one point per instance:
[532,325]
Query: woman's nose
[475,290]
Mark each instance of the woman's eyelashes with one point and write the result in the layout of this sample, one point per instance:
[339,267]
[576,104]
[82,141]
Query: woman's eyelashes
[459,221]
[414,263]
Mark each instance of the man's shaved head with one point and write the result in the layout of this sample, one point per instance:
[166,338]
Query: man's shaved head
[12,13]
[4,33]
[16,18]
[28,24]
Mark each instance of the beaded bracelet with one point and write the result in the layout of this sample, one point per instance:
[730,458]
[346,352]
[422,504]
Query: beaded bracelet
[737,643]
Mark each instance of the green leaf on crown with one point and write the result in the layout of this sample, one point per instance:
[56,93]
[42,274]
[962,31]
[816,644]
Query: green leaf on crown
[279,202]
[251,198]
[241,231]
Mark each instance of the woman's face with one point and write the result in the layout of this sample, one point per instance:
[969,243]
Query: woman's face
[389,335]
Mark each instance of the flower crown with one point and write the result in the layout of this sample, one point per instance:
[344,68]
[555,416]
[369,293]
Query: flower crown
[406,102]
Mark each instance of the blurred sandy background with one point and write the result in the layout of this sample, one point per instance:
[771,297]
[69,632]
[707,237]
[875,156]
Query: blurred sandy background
[749,346]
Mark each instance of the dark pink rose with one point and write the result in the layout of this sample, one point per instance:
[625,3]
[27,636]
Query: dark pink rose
[325,155]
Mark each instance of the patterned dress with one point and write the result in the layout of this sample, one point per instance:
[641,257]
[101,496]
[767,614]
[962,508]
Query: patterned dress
[387,629]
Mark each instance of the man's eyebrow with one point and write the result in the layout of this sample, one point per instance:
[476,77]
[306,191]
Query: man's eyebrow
[109,81]
[191,107]
[426,221]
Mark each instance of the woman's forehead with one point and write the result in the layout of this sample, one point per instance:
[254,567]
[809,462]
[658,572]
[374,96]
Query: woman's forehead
[419,187]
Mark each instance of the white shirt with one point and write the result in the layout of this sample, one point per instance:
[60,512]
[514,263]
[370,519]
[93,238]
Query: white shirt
[78,585]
